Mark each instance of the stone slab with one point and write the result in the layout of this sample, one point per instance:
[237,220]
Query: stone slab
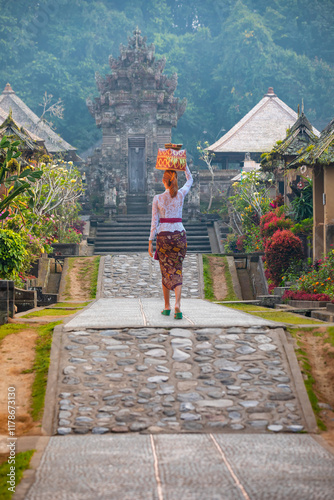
[193,466]
[126,313]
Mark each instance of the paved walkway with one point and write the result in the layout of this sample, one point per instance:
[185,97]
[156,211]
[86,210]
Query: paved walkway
[137,275]
[184,467]
[218,395]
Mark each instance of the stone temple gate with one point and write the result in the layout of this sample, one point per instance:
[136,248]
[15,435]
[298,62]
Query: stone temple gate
[136,110]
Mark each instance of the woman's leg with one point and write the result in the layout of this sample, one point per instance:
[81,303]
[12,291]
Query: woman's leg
[166,293]
[178,290]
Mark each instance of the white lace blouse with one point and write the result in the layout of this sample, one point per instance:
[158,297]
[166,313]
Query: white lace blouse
[166,207]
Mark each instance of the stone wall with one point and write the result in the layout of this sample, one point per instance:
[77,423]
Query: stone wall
[6,301]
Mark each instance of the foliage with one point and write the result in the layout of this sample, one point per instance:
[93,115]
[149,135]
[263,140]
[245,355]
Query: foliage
[272,222]
[305,226]
[319,279]
[302,205]
[233,51]
[280,251]
[250,201]
[12,254]
[300,295]
[18,183]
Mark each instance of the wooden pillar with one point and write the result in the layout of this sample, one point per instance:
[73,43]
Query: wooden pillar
[328,208]
[318,213]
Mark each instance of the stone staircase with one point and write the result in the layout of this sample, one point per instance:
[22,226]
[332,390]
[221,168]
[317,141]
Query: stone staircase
[130,234]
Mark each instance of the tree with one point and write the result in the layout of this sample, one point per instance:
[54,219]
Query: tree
[17,184]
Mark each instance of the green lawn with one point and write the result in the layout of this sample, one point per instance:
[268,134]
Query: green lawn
[22,461]
[246,307]
[50,312]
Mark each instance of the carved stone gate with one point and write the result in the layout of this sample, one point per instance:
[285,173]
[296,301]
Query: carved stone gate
[136,110]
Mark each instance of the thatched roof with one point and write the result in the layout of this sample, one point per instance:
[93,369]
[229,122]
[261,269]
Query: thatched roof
[320,153]
[30,143]
[23,115]
[260,129]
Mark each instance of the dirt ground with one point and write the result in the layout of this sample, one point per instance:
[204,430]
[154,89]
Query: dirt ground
[321,357]
[17,353]
[217,268]
[79,279]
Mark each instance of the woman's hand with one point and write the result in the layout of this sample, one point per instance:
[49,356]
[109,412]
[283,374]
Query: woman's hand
[150,248]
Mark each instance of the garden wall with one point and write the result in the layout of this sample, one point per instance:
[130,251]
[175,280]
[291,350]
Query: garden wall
[6,301]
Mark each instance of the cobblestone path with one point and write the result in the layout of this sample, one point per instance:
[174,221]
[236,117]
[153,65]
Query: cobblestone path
[137,275]
[176,380]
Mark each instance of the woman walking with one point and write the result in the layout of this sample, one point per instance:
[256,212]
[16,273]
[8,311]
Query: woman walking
[171,245]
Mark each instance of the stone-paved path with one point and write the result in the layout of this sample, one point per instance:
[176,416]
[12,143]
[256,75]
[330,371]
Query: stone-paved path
[209,405]
[137,275]
[180,380]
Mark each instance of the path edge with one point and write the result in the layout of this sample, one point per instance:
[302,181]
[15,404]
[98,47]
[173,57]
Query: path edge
[99,286]
[50,402]
[301,392]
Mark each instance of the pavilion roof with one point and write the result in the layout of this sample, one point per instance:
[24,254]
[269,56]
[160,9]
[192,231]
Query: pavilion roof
[23,115]
[260,129]
[29,141]
[321,153]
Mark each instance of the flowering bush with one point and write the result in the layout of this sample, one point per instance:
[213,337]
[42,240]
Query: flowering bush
[273,221]
[280,251]
[295,295]
[320,279]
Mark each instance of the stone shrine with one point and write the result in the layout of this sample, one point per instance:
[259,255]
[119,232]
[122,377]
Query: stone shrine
[136,110]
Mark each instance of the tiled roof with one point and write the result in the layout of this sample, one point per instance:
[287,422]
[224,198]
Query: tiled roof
[28,143]
[27,118]
[258,131]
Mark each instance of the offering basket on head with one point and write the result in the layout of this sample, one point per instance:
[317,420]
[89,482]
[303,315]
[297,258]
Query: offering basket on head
[171,158]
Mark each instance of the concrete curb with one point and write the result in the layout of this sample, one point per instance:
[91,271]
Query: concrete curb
[298,381]
[99,287]
[200,276]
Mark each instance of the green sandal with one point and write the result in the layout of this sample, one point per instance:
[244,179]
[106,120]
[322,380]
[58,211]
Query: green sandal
[178,315]
[166,312]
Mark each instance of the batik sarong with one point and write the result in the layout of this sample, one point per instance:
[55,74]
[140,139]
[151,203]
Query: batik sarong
[171,250]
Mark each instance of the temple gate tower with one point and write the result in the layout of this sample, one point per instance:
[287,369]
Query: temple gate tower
[136,110]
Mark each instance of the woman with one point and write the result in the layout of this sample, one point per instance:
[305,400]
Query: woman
[171,236]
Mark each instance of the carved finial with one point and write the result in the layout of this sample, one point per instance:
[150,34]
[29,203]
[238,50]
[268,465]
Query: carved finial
[137,33]
[303,105]
[298,111]
[8,89]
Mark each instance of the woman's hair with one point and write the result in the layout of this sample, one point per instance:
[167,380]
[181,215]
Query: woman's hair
[170,178]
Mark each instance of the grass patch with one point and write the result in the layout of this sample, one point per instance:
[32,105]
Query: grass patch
[76,305]
[309,380]
[22,461]
[49,312]
[208,283]
[67,291]
[228,278]
[283,317]
[94,276]
[41,367]
[330,331]
[245,307]
[10,328]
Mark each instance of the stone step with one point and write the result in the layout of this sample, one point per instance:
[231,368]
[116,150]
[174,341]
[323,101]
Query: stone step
[116,248]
